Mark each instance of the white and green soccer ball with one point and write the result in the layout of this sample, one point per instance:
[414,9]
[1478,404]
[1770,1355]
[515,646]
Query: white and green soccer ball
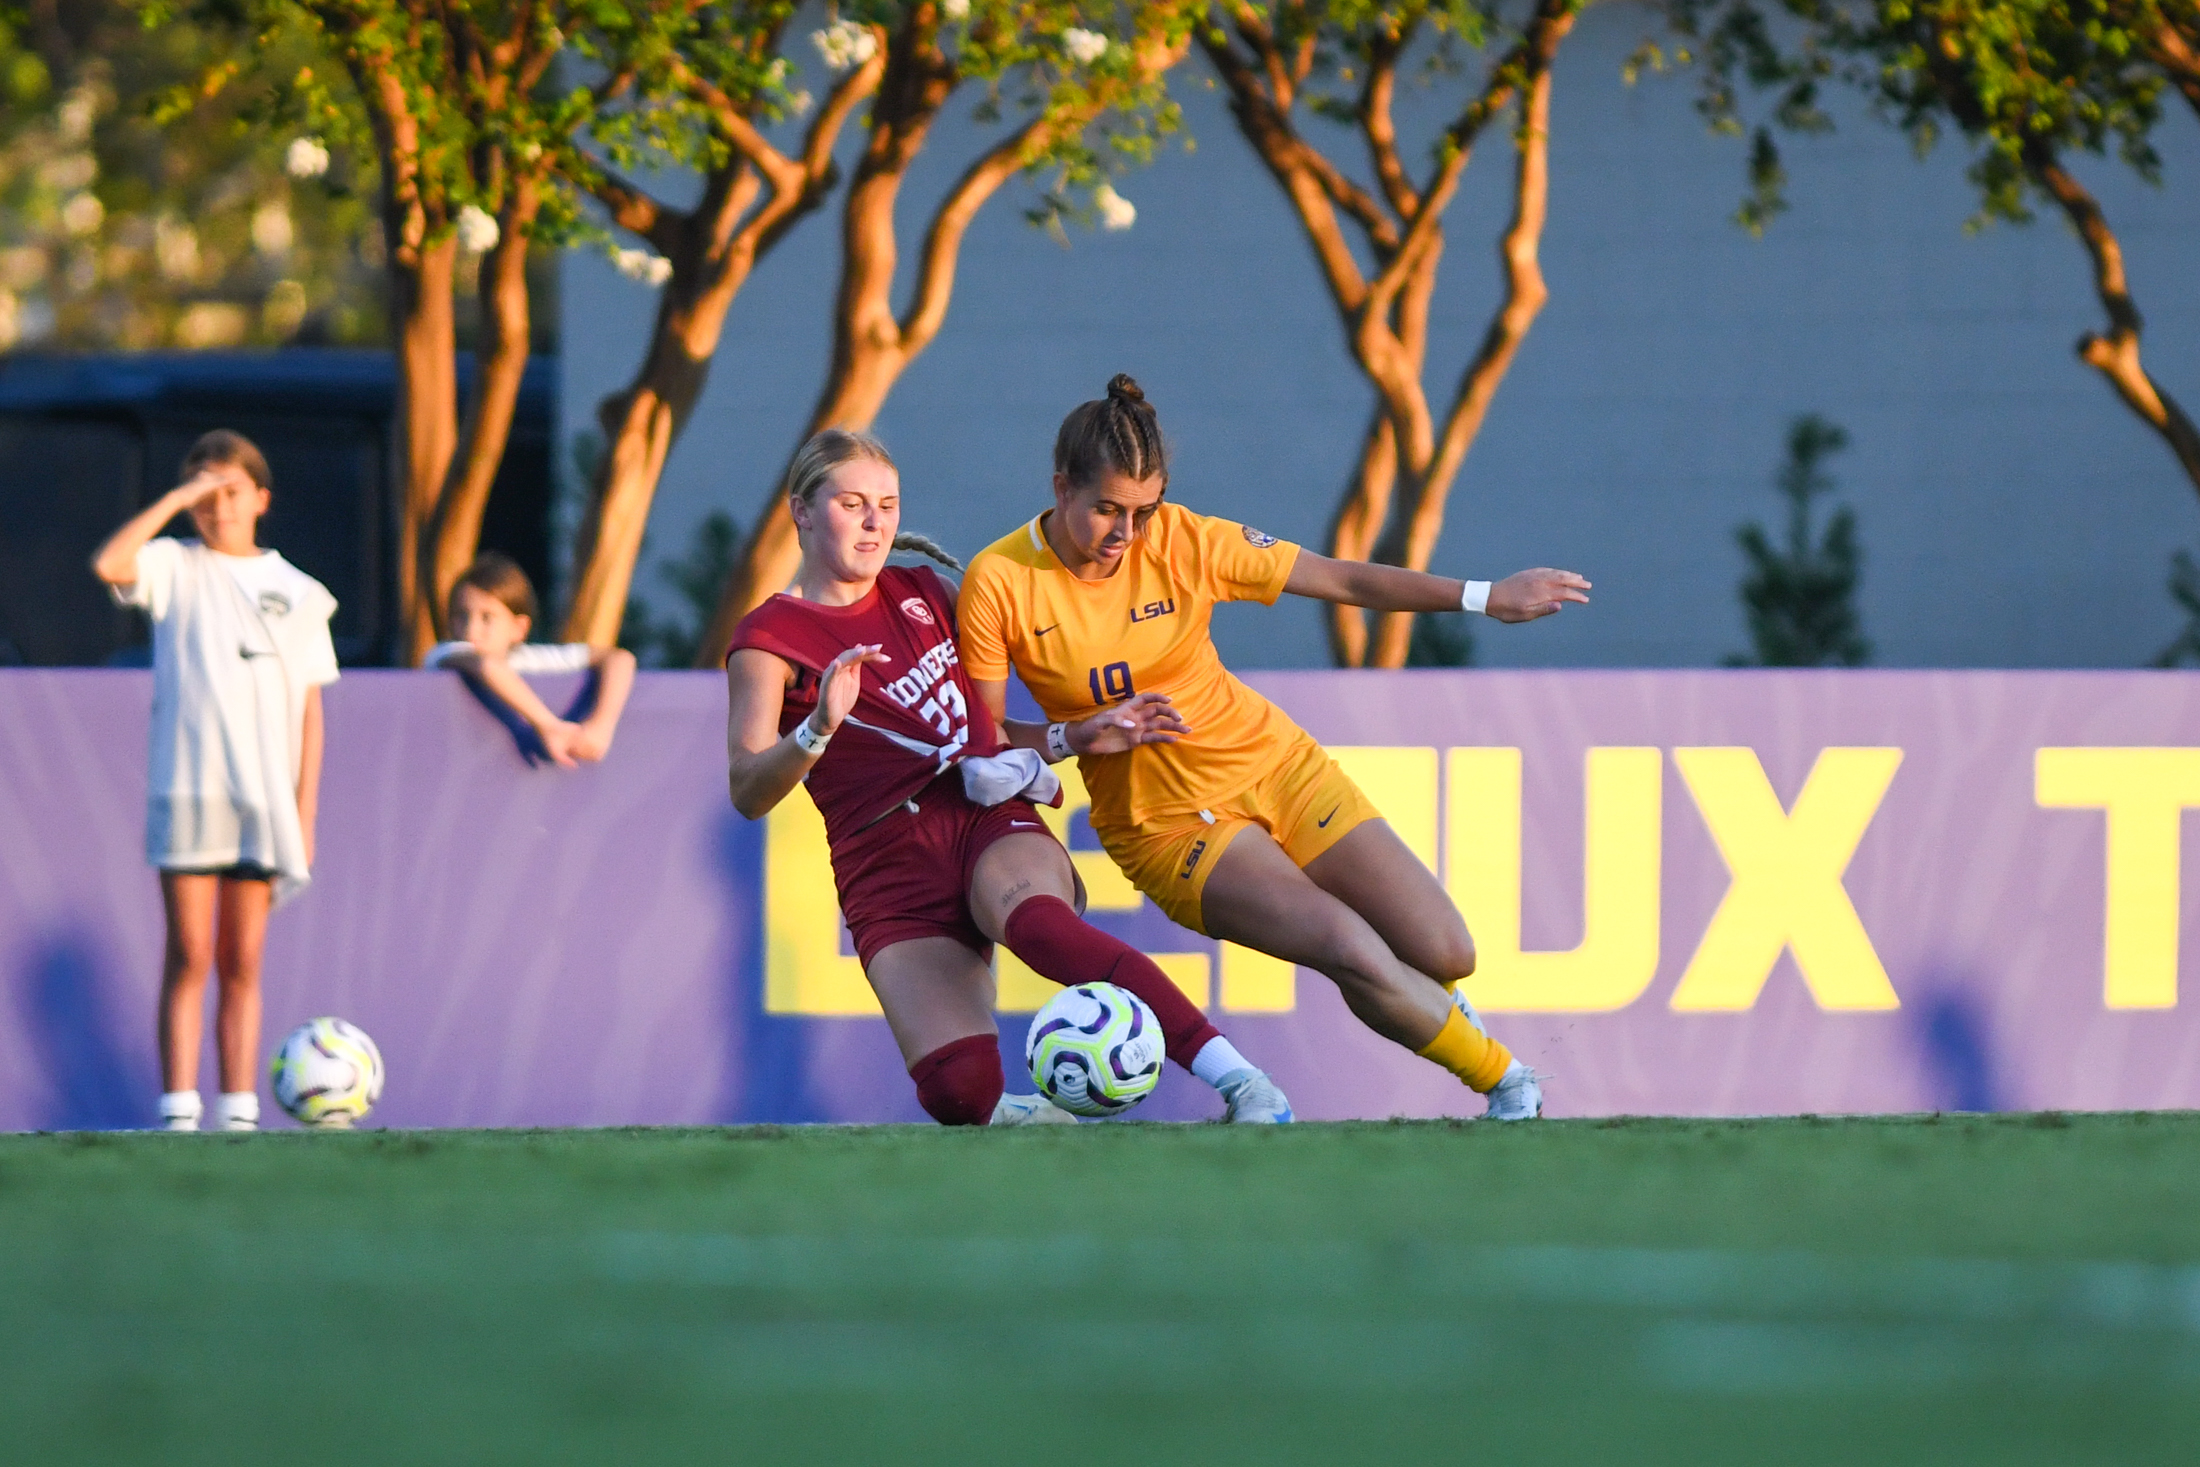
[1095,1050]
[327,1073]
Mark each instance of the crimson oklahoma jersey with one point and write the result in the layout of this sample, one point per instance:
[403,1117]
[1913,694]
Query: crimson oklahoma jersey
[916,714]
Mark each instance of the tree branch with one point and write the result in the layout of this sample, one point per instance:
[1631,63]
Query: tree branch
[2115,354]
[1380,128]
[1287,158]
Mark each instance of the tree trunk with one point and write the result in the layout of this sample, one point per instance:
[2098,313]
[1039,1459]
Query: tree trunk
[507,329]
[1419,522]
[425,425]
[1352,533]
[712,250]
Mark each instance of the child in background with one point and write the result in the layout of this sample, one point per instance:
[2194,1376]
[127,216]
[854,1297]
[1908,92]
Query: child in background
[492,610]
[241,651]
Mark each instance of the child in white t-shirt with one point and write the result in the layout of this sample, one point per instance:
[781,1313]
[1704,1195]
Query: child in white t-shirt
[492,610]
[241,651]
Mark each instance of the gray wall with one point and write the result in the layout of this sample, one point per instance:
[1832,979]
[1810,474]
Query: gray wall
[2013,512]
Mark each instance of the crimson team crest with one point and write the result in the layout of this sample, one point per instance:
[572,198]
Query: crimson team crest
[918,610]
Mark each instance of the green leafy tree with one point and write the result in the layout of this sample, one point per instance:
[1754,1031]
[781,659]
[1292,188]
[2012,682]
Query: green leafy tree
[2027,85]
[705,105]
[117,233]
[1441,639]
[661,640]
[1379,248]
[468,128]
[2184,589]
[1077,90]
[1800,595]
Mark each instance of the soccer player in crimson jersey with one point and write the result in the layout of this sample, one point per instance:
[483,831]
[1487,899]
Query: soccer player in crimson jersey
[852,684]
[1243,827]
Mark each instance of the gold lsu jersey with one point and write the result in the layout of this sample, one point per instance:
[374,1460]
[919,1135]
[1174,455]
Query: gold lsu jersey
[1082,645]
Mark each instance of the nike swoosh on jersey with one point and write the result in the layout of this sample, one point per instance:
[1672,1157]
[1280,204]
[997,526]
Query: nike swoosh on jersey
[1044,630]
[1323,823]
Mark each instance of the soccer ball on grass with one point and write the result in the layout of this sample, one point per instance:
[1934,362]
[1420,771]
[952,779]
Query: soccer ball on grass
[1095,1050]
[327,1073]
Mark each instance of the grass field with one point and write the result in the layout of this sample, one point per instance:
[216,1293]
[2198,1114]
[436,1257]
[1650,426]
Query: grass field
[2003,1290]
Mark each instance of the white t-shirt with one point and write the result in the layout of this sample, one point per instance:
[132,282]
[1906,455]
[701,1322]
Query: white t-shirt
[237,641]
[527,659]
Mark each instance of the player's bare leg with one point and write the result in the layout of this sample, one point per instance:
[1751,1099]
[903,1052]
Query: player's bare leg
[935,991]
[1022,894]
[189,901]
[938,998]
[1370,870]
[1259,898]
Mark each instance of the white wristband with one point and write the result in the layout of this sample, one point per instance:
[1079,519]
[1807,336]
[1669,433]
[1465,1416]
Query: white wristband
[809,740]
[1057,742]
[1476,598]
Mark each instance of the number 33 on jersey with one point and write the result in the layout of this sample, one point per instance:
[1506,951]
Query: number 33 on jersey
[1080,646]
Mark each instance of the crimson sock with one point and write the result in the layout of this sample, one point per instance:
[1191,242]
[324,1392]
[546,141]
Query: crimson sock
[1047,933]
[958,1084]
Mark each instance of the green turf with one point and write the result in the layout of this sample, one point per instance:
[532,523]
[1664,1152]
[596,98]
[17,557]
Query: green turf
[2006,1290]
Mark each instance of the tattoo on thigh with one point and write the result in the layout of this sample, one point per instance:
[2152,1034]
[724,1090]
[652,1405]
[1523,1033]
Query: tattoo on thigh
[1009,897]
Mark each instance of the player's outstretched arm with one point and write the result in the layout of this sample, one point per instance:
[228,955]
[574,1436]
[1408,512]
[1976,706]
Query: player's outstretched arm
[762,767]
[1521,596]
[1149,718]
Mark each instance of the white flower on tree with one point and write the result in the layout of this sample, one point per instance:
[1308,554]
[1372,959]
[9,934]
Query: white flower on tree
[845,43]
[1116,212]
[1084,47]
[305,158]
[955,10]
[477,230]
[642,265]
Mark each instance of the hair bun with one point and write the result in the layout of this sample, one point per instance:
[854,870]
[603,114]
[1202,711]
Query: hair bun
[1122,389]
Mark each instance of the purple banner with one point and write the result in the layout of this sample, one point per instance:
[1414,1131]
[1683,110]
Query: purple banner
[1694,893]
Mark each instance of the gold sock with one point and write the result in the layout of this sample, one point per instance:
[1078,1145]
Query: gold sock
[1467,1052]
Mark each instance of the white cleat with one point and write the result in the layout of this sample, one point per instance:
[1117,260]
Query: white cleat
[1517,1097]
[1254,1100]
[1030,1110]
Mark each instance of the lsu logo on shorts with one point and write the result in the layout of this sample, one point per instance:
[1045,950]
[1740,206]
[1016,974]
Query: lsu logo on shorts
[1191,862]
[917,610]
[1257,538]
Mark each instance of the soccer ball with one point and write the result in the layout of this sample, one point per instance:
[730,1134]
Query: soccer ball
[1094,1050]
[327,1073]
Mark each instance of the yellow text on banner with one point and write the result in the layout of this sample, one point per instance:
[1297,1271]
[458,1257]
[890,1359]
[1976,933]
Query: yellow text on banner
[1618,955]
[2145,793]
[1786,890]
[804,969]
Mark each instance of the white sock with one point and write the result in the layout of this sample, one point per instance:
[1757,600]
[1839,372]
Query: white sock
[180,1110]
[1218,1058]
[238,1110]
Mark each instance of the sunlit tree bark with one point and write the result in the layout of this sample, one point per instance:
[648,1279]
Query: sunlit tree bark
[926,62]
[1271,59]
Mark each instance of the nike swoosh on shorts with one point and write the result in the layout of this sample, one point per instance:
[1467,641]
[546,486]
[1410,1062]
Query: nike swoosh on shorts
[1323,823]
[1044,630]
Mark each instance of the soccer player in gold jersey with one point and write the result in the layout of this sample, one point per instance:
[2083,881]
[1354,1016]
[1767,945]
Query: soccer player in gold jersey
[1237,823]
